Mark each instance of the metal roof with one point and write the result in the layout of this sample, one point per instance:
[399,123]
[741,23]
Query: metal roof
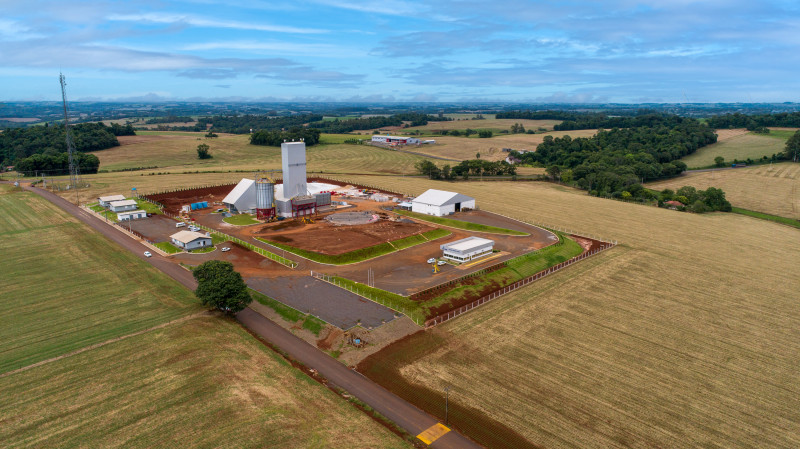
[237,192]
[122,203]
[130,212]
[435,197]
[112,198]
[467,244]
[186,237]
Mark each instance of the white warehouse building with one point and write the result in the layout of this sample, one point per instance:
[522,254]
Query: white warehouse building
[441,203]
[122,206]
[131,215]
[467,249]
[105,201]
[190,240]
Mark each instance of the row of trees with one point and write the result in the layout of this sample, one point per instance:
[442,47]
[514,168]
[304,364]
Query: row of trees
[242,124]
[755,122]
[20,143]
[465,169]
[710,200]
[169,119]
[355,124]
[56,164]
[275,138]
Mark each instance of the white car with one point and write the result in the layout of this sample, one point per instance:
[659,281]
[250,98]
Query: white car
[441,262]
[226,249]
[431,260]
[180,224]
[148,254]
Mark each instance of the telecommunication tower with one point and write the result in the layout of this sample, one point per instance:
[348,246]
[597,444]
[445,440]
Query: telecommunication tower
[74,170]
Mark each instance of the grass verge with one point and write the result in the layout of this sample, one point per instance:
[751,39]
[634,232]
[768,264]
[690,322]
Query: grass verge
[460,224]
[167,247]
[240,220]
[769,217]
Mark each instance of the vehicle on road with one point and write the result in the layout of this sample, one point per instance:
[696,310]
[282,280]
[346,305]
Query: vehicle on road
[148,254]
[431,260]
[226,249]
[441,262]
[180,224]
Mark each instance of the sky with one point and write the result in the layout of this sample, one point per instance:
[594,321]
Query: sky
[568,51]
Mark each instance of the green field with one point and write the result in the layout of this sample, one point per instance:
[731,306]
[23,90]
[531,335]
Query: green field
[58,292]
[240,220]
[167,247]
[750,145]
[203,383]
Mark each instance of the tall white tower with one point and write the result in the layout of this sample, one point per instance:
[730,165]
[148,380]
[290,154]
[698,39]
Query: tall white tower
[293,156]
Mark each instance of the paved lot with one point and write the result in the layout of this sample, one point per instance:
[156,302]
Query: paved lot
[330,303]
[156,228]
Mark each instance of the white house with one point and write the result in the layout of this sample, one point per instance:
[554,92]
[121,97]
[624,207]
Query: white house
[131,215]
[106,200]
[122,206]
[467,249]
[243,197]
[190,240]
[440,203]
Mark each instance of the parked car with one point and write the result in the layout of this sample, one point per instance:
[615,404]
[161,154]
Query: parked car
[431,260]
[441,262]
[194,228]
[226,249]
[180,224]
[148,254]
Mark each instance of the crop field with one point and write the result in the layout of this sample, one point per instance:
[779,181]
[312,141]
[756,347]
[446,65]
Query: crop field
[487,123]
[463,148]
[770,188]
[58,293]
[204,382]
[740,147]
[233,152]
[685,335]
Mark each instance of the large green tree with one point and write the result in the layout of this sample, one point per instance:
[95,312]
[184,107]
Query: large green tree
[221,287]
[793,147]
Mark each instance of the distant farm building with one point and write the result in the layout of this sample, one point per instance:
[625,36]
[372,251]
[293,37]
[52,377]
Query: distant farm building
[131,215]
[105,201]
[441,203]
[467,249]
[190,240]
[122,206]
[396,140]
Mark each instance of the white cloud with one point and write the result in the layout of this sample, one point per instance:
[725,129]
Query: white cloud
[12,31]
[208,23]
[292,48]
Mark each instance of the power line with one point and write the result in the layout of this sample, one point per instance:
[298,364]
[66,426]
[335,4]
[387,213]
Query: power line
[74,171]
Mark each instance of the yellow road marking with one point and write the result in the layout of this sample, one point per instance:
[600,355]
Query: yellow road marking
[433,433]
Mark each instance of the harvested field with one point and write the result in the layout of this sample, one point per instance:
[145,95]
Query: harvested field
[741,147]
[464,148]
[675,341]
[178,151]
[66,287]
[202,383]
[488,123]
[774,189]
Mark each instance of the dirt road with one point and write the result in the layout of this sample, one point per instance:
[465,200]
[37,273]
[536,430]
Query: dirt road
[407,416]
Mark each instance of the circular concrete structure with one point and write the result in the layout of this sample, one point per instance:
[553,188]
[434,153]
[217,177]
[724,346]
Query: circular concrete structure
[352,218]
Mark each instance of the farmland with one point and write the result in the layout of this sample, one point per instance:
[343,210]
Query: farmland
[47,306]
[675,338]
[233,152]
[201,383]
[740,147]
[774,189]
[493,124]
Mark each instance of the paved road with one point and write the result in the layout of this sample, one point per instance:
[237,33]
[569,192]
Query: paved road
[407,416]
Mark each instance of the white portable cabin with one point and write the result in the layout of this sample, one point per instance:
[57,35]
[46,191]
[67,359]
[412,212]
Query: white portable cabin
[131,215]
[467,249]
[242,198]
[440,203]
[122,206]
[105,201]
[190,240]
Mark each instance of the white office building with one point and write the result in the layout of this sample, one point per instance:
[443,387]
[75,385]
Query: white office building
[467,249]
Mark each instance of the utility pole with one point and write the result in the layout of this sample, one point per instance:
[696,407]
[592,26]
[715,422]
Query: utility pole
[74,172]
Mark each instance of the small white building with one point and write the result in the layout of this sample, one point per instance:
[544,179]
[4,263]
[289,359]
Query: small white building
[242,198]
[105,201]
[467,249]
[190,240]
[131,215]
[122,206]
[395,140]
[441,203]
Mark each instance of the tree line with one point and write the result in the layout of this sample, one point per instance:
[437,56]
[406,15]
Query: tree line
[169,119]
[56,164]
[274,138]
[755,122]
[615,161]
[465,169]
[20,143]
[356,124]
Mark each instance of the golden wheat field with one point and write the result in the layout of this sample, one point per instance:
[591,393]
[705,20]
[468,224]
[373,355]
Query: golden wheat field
[685,335]
[205,382]
[770,188]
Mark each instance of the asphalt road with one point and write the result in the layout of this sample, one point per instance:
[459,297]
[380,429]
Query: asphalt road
[404,414]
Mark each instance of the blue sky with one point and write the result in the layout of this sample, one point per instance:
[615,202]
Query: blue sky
[398,50]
